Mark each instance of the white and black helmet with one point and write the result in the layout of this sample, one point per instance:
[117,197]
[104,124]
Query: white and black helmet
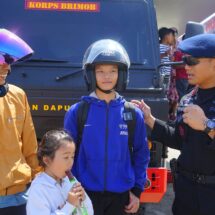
[103,52]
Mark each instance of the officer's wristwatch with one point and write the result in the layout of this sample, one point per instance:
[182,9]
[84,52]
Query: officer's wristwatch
[209,125]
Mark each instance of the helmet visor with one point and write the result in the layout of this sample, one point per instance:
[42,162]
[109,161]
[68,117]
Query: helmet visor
[7,59]
[12,47]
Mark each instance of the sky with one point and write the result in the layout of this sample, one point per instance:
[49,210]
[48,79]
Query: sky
[176,13]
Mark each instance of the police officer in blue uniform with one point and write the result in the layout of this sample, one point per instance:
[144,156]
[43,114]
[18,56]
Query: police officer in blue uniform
[194,132]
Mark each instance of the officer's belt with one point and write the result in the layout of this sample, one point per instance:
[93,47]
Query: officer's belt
[198,178]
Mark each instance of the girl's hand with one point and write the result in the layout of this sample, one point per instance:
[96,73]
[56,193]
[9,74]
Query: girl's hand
[73,199]
[76,195]
[77,188]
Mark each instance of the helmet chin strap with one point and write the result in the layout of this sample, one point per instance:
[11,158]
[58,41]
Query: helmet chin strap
[105,91]
[4,89]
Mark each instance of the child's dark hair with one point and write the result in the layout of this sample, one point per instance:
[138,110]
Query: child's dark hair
[163,32]
[50,143]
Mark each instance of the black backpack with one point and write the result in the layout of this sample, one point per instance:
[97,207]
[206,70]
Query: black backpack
[129,116]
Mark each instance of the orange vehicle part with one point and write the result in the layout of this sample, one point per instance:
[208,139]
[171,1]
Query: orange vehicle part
[156,187]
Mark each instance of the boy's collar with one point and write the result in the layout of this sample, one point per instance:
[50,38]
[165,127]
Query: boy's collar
[93,94]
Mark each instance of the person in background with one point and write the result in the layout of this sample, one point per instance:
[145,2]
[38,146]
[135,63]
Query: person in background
[172,94]
[18,143]
[166,40]
[181,74]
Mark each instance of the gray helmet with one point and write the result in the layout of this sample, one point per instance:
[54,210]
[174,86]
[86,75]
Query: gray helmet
[106,51]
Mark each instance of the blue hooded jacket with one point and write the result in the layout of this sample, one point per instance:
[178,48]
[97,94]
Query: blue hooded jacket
[103,162]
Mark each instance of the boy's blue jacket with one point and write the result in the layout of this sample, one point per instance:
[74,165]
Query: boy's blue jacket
[103,163]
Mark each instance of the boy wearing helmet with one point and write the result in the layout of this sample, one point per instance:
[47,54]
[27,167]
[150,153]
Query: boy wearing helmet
[18,144]
[112,178]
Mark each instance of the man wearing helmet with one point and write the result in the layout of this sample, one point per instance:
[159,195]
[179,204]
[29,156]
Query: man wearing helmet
[113,177]
[18,144]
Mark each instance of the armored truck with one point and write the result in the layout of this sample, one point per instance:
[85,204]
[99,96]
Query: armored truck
[59,33]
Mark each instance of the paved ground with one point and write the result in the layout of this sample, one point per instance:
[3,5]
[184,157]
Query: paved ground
[164,207]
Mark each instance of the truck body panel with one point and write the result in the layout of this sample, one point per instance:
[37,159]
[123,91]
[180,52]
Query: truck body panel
[59,35]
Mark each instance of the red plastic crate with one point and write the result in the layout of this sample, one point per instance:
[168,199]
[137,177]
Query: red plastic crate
[157,186]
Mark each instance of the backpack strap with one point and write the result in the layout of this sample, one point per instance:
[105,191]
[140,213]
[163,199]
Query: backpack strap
[82,113]
[129,116]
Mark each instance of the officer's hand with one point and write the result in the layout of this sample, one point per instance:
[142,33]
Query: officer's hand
[148,118]
[195,117]
[134,204]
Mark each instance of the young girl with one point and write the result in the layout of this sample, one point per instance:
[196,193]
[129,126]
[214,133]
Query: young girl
[52,192]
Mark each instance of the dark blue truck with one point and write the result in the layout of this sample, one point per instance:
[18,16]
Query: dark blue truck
[60,32]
